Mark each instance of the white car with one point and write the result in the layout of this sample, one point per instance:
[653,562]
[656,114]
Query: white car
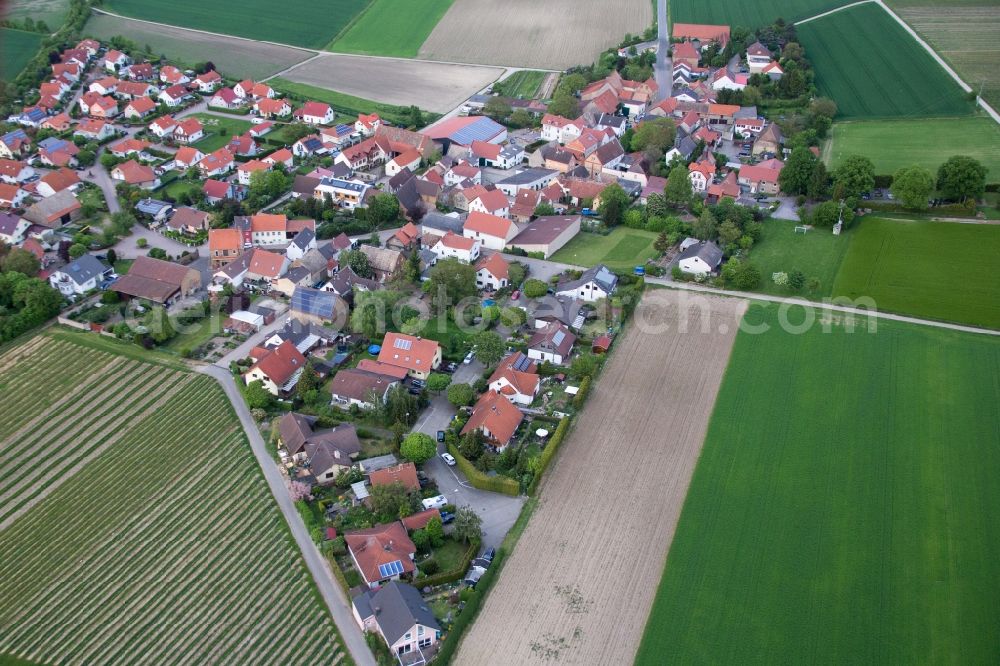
[468,358]
[448,458]
[435,502]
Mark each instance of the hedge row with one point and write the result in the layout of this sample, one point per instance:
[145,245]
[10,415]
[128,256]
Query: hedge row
[550,449]
[449,576]
[581,395]
[497,484]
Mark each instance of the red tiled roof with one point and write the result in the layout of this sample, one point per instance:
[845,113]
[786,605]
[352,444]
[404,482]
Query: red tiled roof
[419,520]
[404,473]
[382,544]
[496,265]
[491,225]
[495,413]
[223,239]
[281,363]
[407,351]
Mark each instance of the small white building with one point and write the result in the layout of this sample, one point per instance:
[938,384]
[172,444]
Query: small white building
[700,258]
[80,276]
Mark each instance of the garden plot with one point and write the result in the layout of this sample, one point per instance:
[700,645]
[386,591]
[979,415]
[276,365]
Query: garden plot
[526,33]
[582,578]
[437,87]
[136,524]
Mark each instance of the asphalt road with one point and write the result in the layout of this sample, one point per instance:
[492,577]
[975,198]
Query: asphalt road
[498,512]
[663,69]
[336,600]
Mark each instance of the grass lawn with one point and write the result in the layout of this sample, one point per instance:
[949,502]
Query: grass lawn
[622,249]
[523,84]
[873,68]
[817,253]
[450,555]
[894,144]
[347,106]
[53,12]
[937,270]
[219,131]
[175,188]
[747,13]
[391,28]
[197,334]
[295,22]
[844,507]
[17,47]
[454,342]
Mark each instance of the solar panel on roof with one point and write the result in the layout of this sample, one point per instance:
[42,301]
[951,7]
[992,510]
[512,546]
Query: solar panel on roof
[558,338]
[522,364]
[393,568]
[402,343]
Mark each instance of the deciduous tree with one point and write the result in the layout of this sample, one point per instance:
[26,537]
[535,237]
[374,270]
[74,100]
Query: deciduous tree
[961,177]
[418,448]
[912,186]
[468,525]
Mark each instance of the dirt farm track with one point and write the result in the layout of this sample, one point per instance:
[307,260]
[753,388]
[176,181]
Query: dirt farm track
[579,585]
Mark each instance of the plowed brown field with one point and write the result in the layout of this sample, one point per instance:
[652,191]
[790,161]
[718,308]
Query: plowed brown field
[580,583]
[554,34]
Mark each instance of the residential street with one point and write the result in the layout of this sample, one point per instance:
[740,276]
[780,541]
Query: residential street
[663,69]
[336,600]
[497,511]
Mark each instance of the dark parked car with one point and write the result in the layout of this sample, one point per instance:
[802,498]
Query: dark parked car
[447,517]
[440,435]
[489,554]
[481,562]
[451,367]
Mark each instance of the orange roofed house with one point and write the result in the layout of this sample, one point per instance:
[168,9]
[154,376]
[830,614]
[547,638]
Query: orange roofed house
[381,553]
[277,369]
[418,355]
[224,246]
[404,473]
[496,417]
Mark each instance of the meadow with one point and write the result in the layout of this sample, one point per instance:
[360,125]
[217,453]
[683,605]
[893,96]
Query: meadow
[134,519]
[817,253]
[873,68]
[748,13]
[52,12]
[347,107]
[935,270]
[391,28]
[295,22]
[522,84]
[844,507]
[219,131]
[894,144]
[621,249]
[17,47]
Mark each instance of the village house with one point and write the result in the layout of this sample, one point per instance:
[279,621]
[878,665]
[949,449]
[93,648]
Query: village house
[189,130]
[15,171]
[592,285]
[347,193]
[83,274]
[172,76]
[396,612]
[13,228]
[187,157]
[208,81]
[56,152]
[547,234]
[224,98]
[769,141]
[492,273]
[367,124]
[128,146]
[700,258]
[163,126]
[761,178]
[355,386]
[496,418]
[277,369]
[517,379]
[133,173]
[157,281]
[187,220]
[138,108]
[224,246]
[701,173]
[329,451]
[174,95]
[216,164]
[272,108]
[492,231]
[382,553]
[386,263]
[11,196]
[418,356]
[315,113]
[453,246]
[94,129]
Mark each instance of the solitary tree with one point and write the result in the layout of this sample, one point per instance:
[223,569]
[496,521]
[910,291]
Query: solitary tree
[418,448]
[614,202]
[468,525]
[489,348]
[535,288]
[678,189]
[438,381]
[460,395]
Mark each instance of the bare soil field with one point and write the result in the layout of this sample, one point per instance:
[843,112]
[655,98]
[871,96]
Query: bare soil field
[967,38]
[234,57]
[436,87]
[555,34]
[580,583]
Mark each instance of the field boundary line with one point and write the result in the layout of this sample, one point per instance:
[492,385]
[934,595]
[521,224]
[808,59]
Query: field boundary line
[990,111]
[316,52]
[830,307]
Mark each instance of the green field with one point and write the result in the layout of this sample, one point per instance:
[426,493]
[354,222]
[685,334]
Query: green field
[817,253]
[295,22]
[16,49]
[219,131]
[621,249]
[928,143]
[935,270]
[844,508]
[149,529]
[346,105]
[523,84]
[391,28]
[873,68]
[747,13]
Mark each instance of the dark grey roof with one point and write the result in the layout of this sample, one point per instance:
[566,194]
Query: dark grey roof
[297,274]
[443,223]
[400,178]
[707,251]
[85,268]
[561,309]
[745,112]
[527,176]
[600,274]
[333,447]
[396,607]
[304,238]
[608,120]
[305,185]
[345,279]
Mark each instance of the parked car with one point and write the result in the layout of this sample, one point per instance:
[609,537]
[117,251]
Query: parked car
[417,383]
[448,458]
[447,517]
[451,367]
[435,502]
[440,435]
[469,357]
[415,390]
[481,563]
[516,295]
[473,576]
[489,554]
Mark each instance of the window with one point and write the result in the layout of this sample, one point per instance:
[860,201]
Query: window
[424,642]
[408,635]
[420,630]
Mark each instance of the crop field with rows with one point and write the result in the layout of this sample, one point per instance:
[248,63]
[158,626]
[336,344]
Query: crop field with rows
[135,524]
